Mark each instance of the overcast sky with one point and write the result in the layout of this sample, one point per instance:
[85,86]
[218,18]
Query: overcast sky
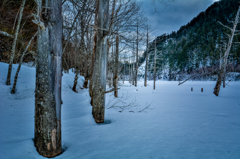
[171,17]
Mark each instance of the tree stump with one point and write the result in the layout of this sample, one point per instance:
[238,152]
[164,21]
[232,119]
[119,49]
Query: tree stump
[201,89]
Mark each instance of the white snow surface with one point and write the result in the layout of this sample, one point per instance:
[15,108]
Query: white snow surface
[179,124]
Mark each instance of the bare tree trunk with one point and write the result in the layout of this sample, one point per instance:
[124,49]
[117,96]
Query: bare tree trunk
[155,56]
[115,77]
[47,136]
[224,77]
[146,66]
[14,44]
[74,88]
[93,57]
[20,64]
[136,58]
[100,66]
[220,75]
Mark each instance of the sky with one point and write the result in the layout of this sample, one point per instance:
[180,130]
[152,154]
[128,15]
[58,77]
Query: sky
[171,17]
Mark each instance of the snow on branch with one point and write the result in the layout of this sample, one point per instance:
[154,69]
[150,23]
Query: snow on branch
[6,34]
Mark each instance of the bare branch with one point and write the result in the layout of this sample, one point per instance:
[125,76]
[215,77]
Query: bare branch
[225,26]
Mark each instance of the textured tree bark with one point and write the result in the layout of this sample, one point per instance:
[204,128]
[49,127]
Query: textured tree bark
[93,58]
[100,66]
[220,75]
[20,64]
[115,77]
[47,133]
[14,44]
[146,66]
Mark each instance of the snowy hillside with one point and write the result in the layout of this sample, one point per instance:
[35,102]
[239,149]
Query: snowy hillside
[178,124]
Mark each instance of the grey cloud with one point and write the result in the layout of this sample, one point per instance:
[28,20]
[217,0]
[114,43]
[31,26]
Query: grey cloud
[171,17]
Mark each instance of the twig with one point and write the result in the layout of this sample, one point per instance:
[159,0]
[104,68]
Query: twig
[147,107]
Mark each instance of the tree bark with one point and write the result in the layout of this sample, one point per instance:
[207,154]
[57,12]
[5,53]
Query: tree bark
[100,65]
[47,136]
[14,44]
[115,77]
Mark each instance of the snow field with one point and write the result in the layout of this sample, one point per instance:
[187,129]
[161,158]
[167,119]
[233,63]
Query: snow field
[179,124]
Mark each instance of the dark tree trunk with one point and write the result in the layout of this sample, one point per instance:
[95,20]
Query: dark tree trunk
[155,56]
[115,77]
[224,77]
[47,136]
[100,65]
[146,66]
[136,73]
[74,88]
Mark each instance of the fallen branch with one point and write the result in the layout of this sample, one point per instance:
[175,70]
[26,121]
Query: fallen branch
[185,81]
[147,107]
[228,82]
[121,103]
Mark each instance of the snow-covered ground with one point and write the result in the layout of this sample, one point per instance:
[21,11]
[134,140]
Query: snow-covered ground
[179,124]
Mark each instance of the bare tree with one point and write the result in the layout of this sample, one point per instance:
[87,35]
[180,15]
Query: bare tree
[20,63]
[100,65]
[226,54]
[14,43]
[47,133]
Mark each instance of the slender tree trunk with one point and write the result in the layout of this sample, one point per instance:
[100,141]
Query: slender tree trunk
[220,75]
[47,136]
[74,88]
[146,66]
[115,77]
[14,44]
[136,59]
[100,66]
[155,56]
[20,64]
[224,77]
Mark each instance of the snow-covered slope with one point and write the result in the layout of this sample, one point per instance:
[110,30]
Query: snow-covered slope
[179,124]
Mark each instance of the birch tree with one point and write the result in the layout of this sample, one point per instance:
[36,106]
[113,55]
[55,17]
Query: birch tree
[20,64]
[14,43]
[47,132]
[226,54]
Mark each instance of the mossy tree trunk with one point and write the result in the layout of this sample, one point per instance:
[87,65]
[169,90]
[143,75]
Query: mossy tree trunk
[47,136]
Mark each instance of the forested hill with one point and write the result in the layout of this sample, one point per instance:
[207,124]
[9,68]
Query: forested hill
[199,44]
